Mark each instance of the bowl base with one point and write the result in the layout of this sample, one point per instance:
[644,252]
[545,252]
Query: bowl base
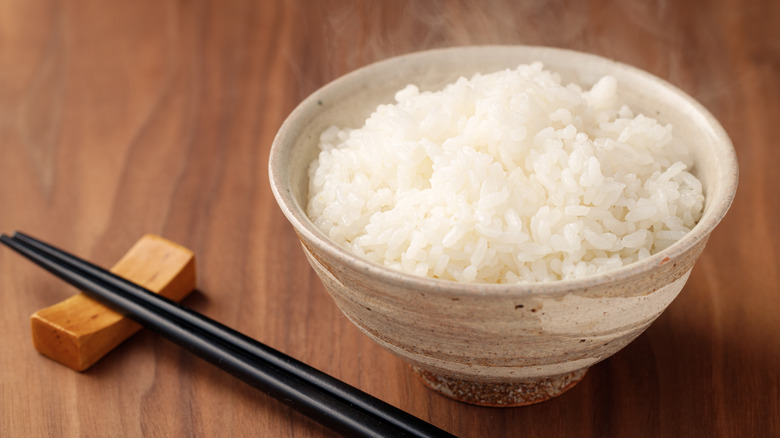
[513,394]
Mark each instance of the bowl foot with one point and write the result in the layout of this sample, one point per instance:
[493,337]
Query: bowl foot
[513,394]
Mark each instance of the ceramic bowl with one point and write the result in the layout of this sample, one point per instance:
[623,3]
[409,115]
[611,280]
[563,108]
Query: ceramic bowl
[490,344]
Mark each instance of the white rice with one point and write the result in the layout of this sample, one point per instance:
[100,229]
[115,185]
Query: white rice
[503,178]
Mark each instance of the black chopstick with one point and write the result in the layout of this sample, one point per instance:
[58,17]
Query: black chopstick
[229,336]
[331,402]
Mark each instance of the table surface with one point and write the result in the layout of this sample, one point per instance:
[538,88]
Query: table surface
[119,119]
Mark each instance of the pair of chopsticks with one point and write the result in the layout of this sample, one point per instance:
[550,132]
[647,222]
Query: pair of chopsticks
[329,401]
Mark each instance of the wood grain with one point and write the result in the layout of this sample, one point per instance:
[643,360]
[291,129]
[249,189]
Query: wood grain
[119,119]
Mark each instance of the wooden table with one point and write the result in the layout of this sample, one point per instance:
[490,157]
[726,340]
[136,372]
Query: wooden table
[124,118]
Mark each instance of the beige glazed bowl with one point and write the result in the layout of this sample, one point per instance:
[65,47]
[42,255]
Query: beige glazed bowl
[498,345]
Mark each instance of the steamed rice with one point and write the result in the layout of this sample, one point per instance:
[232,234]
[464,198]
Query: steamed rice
[503,178]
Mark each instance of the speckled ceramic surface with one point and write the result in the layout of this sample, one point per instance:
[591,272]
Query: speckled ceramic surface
[499,345]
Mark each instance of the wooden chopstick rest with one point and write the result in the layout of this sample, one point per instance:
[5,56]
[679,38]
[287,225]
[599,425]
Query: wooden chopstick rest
[79,330]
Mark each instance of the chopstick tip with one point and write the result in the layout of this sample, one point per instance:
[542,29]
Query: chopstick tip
[6,239]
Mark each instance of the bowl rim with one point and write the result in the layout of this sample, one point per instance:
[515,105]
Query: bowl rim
[714,211]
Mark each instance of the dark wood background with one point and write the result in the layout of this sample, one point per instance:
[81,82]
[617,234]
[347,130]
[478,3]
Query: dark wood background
[130,117]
